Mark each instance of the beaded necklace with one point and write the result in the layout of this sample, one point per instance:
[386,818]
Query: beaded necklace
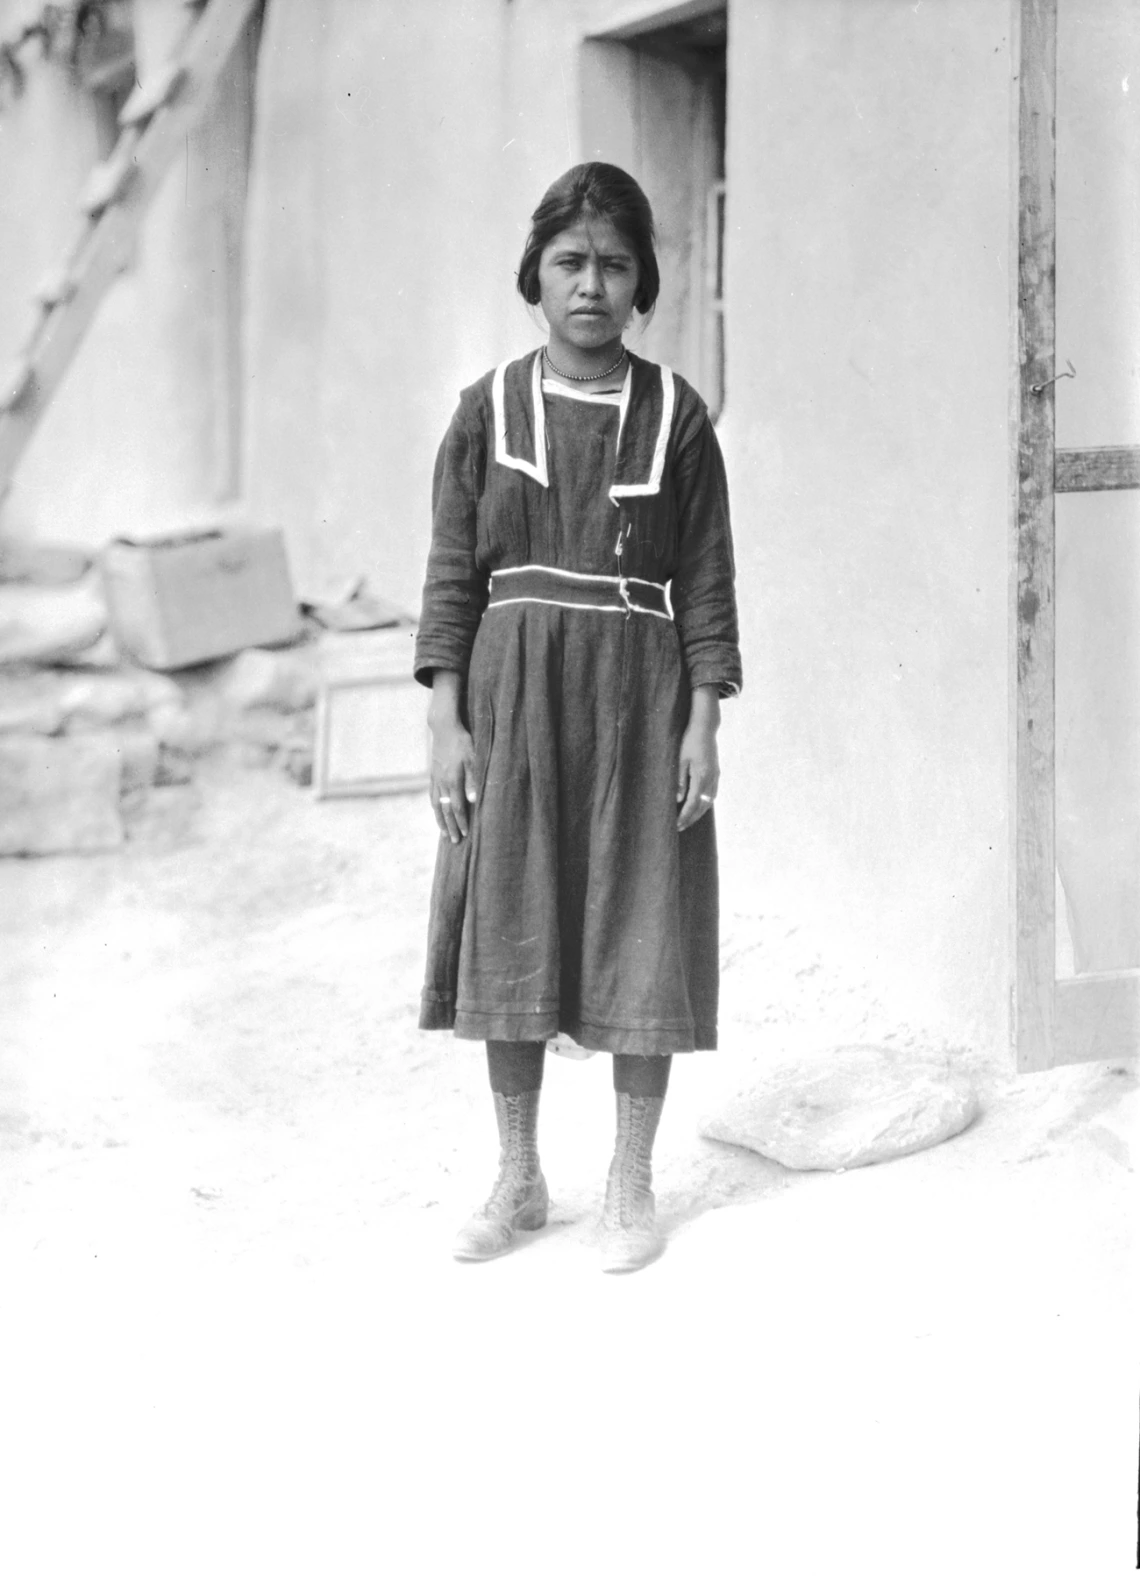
[583,378]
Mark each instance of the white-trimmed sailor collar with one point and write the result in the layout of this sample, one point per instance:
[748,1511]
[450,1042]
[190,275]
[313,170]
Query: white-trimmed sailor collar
[510,402]
[536,468]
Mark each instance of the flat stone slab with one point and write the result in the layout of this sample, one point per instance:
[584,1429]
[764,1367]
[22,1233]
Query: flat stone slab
[847,1108]
[58,795]
[42,563]
[284,681]
[45,624]
[53,701]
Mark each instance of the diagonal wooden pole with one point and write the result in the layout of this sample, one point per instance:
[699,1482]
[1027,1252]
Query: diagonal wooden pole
[119,197]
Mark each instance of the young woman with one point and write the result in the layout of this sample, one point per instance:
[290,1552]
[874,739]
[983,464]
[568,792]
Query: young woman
[578,633]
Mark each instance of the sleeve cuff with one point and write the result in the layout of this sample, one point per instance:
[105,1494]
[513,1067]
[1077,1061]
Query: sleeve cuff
[721,670]
[428,659]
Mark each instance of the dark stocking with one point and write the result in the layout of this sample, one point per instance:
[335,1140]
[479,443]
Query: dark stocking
[516,1066]
[641,1076]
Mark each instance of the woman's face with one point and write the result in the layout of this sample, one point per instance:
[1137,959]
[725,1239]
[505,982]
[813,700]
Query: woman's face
[587,279]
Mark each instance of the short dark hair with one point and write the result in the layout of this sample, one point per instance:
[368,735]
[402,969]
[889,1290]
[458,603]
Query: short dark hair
[605,192]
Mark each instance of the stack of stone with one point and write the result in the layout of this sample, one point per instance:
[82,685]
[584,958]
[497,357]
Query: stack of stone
[82,737]
[85,736]
[264,711]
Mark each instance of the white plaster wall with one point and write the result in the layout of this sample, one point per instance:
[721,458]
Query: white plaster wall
[381,258]
[866,425]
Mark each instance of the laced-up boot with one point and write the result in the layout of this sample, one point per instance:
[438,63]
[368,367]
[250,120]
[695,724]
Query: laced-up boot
[519,1198]
[629,1234]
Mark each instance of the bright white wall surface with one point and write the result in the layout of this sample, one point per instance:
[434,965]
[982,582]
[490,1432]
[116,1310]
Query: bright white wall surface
[866,426]
[394,169]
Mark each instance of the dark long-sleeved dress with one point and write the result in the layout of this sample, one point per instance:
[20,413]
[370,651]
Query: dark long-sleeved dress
[574,905]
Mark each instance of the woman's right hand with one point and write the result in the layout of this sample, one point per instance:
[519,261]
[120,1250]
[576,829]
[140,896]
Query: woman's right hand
[452,759]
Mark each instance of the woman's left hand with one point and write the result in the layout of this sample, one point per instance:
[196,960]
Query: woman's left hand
[698,771]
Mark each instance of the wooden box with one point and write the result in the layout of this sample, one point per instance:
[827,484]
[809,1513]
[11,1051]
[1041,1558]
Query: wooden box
[199,594]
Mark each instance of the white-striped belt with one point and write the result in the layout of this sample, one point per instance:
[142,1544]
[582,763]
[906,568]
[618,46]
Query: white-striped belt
[611,594]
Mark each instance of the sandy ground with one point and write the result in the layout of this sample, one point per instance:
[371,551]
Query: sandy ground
[231,1168]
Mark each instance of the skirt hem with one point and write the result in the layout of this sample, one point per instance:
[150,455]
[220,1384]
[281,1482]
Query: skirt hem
[438,1013]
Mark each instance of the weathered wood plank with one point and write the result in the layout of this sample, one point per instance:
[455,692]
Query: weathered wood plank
[111,238]
[1096,470]
[229,132]
[1098,1016]
[1033,613]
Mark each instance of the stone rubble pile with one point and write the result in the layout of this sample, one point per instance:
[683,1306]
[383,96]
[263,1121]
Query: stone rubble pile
[85,736]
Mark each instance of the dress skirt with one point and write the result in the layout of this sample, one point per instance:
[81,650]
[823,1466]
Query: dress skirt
[591,915]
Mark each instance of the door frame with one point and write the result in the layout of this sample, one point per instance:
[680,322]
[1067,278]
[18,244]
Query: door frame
[1084,1017]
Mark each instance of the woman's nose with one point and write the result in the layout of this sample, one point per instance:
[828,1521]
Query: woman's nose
[590,283]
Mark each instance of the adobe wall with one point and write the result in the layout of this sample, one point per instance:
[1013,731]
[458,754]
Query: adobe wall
[866,428]
[398,151]
[378,261]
